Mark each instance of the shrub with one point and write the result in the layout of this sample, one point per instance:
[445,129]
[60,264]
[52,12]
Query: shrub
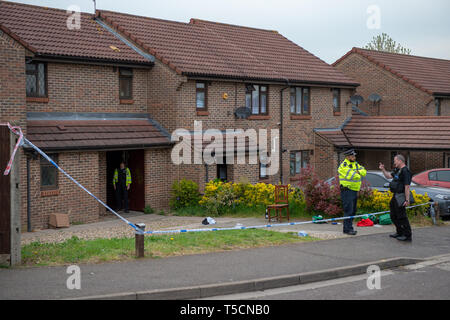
[319,195]
[148,210]
[184,193]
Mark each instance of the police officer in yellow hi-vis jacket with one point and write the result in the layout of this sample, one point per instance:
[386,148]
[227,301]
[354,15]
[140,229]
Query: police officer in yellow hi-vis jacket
[122,182]
[350,175]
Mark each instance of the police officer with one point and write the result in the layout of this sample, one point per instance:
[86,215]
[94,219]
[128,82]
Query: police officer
[122,182]
[350,175]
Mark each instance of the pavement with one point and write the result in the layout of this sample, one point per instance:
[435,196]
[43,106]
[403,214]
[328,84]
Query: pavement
[208,275]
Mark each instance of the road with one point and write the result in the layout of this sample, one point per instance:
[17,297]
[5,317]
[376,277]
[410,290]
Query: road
[429,280]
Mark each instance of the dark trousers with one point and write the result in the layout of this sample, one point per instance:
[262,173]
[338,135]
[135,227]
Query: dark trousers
[399,218]
[121,196]
[349,203]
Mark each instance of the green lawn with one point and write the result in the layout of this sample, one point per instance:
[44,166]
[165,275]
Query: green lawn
[76,251]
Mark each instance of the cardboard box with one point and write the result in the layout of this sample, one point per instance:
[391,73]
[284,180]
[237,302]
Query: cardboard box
[59,220]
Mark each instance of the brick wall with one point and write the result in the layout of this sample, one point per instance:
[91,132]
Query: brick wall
[90,88]
[398,96]
[67,198]
[12,98]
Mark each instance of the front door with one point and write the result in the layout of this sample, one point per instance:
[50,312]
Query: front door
[5,193]
[137,190]
[134,159]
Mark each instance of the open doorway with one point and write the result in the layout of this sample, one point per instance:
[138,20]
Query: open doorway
[134,160]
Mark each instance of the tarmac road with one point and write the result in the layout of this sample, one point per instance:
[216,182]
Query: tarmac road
[219,268]
[422,281]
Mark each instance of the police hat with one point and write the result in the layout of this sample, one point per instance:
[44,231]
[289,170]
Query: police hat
[350,152]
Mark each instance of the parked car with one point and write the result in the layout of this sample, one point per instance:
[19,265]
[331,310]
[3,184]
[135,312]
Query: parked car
[433,178]
[376,180]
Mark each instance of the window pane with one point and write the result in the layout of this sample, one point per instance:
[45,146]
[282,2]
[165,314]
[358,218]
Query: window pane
[375,180]
[432,176]
[263,89]
[263,170]
[200,85]
[305,100]
[263,103]
[298,99]
[126,72]
[305,159]
[248,100]
[443,176]
[292,100]
[30,67]
[200,99]
[298,159]
[49,174]
[292,163]
[255,100]
[125,88]
[31,85]
[336,102]
[41,79]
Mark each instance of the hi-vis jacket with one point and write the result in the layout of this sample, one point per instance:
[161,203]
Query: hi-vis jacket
[349,176]
[128,177]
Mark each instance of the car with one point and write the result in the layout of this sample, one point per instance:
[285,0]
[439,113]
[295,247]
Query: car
[376,180]
[433,178]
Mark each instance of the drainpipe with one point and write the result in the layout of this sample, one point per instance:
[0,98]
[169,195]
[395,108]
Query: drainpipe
[281,131]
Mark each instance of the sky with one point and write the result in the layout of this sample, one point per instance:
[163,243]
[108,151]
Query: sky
[326,28]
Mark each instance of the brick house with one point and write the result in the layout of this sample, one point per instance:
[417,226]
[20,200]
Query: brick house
[118,87]
[409,86]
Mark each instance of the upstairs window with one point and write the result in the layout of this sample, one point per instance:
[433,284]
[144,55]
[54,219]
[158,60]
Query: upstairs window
[36,80]
[256,99]
[201,96]
[300,101]
[125,84]
[336,100]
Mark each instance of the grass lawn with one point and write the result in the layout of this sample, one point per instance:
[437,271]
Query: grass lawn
[76,251]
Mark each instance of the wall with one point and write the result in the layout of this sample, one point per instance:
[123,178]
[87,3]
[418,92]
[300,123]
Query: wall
[67,198]
[398,96]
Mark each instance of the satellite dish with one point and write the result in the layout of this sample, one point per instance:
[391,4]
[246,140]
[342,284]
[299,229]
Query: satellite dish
[356,100]
[375,97]
[242,112]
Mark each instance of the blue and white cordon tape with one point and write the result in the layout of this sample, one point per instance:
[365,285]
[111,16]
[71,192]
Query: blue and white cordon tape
[140,231]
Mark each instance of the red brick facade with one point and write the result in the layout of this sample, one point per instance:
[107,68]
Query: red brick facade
[399,98]
[168,98]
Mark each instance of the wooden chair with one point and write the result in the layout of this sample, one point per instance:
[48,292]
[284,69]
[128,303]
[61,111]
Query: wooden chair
[281,202]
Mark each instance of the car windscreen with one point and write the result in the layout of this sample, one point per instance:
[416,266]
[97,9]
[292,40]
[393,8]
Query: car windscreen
[375,180]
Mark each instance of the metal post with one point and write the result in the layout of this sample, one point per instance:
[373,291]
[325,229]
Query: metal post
[139,241]
[437,210]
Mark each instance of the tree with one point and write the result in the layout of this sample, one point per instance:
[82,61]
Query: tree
[385,43]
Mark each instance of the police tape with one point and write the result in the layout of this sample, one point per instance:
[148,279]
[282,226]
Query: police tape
[278,224]
[22,140]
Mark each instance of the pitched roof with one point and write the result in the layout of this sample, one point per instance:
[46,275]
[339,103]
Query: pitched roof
[44,31]
[53,135]
[383,132]
[203,48]
[428,74]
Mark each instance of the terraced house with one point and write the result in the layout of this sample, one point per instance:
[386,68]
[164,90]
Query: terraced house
[407,108]
[117,88]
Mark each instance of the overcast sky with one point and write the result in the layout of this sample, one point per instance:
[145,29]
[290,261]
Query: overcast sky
[326,28]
